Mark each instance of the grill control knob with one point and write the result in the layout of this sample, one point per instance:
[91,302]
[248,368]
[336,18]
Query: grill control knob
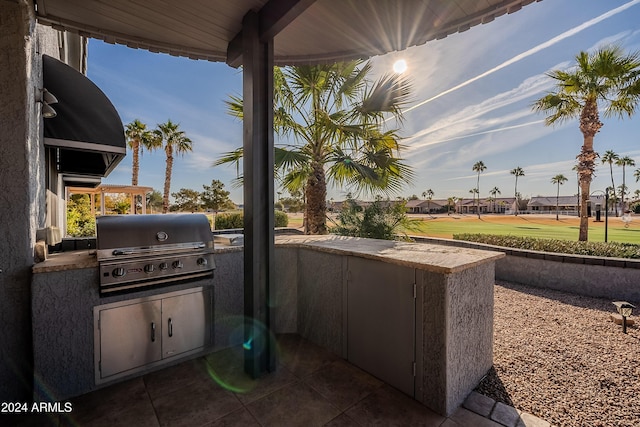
[202,262]
[164,265]
[149,268]
[118,272]
[177,265]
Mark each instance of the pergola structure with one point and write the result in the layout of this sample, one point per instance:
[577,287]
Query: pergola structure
[132,190]
[258,34]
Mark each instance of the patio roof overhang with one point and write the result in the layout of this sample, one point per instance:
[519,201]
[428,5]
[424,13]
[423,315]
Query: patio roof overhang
[259,34]
[304,31]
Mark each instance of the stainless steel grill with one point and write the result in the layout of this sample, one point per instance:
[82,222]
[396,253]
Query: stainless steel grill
[145,250]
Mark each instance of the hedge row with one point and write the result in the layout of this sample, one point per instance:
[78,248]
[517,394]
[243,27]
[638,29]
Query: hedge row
[610,249]
[227,221]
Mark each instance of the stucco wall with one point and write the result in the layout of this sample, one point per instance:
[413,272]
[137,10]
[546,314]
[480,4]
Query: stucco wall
[285,300]
[320,298]
[612,278]
[461,305]
[228,300]
[469,331]
[21,187]
[601,281]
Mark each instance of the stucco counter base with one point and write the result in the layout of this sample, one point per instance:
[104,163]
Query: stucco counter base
[453,305]
[324,285]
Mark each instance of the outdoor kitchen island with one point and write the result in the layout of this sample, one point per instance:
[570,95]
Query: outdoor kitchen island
[418,316]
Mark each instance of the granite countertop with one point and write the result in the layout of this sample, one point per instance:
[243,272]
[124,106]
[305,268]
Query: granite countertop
[425,256]
[73,260]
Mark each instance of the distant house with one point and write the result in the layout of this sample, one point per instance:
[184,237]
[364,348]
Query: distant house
[541,204]
[426,206]
[465,206]
[567,205]
[499,205]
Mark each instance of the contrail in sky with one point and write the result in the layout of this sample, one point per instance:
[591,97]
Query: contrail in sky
[531,51]
[476,134]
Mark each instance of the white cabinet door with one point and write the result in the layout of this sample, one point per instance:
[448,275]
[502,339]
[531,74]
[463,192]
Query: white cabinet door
[186,323]
[130,336]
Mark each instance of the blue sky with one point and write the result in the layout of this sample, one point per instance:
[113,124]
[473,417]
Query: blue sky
[471,102]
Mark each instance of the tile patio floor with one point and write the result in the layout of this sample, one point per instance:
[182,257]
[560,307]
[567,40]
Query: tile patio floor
[312,387]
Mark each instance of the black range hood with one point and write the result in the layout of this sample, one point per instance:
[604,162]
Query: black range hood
[86,133]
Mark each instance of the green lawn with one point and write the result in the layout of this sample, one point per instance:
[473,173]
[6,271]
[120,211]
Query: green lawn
[541,226]
[529,226]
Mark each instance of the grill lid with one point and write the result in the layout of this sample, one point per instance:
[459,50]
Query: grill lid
[122,232]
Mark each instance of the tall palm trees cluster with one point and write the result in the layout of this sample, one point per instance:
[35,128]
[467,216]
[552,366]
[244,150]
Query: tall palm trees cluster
[612,158]
[167,136]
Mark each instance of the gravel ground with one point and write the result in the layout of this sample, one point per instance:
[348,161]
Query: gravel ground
[559,356]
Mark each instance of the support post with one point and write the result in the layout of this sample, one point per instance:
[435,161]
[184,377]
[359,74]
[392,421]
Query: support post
[257,61]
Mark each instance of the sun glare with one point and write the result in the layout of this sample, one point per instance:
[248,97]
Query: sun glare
[400,66]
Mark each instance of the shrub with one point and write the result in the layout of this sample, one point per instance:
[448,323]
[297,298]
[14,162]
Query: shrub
[380,220]
[80,221]
[601,249]
[281,219]
[228,221]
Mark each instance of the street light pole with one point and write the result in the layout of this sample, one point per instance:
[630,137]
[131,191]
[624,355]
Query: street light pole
[606,214]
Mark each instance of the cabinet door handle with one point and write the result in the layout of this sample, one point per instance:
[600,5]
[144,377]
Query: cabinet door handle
[153,331]
[170,328]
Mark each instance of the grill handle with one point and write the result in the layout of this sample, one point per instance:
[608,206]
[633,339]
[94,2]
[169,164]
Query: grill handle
[121,252]
[153,331]
[170,328]
[163,248]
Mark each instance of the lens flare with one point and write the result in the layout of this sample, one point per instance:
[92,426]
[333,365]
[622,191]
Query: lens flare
[247,338]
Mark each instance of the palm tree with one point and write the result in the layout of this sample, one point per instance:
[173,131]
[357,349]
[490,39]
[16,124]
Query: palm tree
[636,174]
[622,191]
[154,200]
[517,171]
[558,179]
[174,142]
[608,76]
[478,167]
[494,192]
[336,118]
[473,192]
[624,161]
[139,138]
[428,195]
[611,158]
[451,201]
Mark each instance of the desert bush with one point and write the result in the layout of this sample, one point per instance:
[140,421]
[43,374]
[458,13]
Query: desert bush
[380,220]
